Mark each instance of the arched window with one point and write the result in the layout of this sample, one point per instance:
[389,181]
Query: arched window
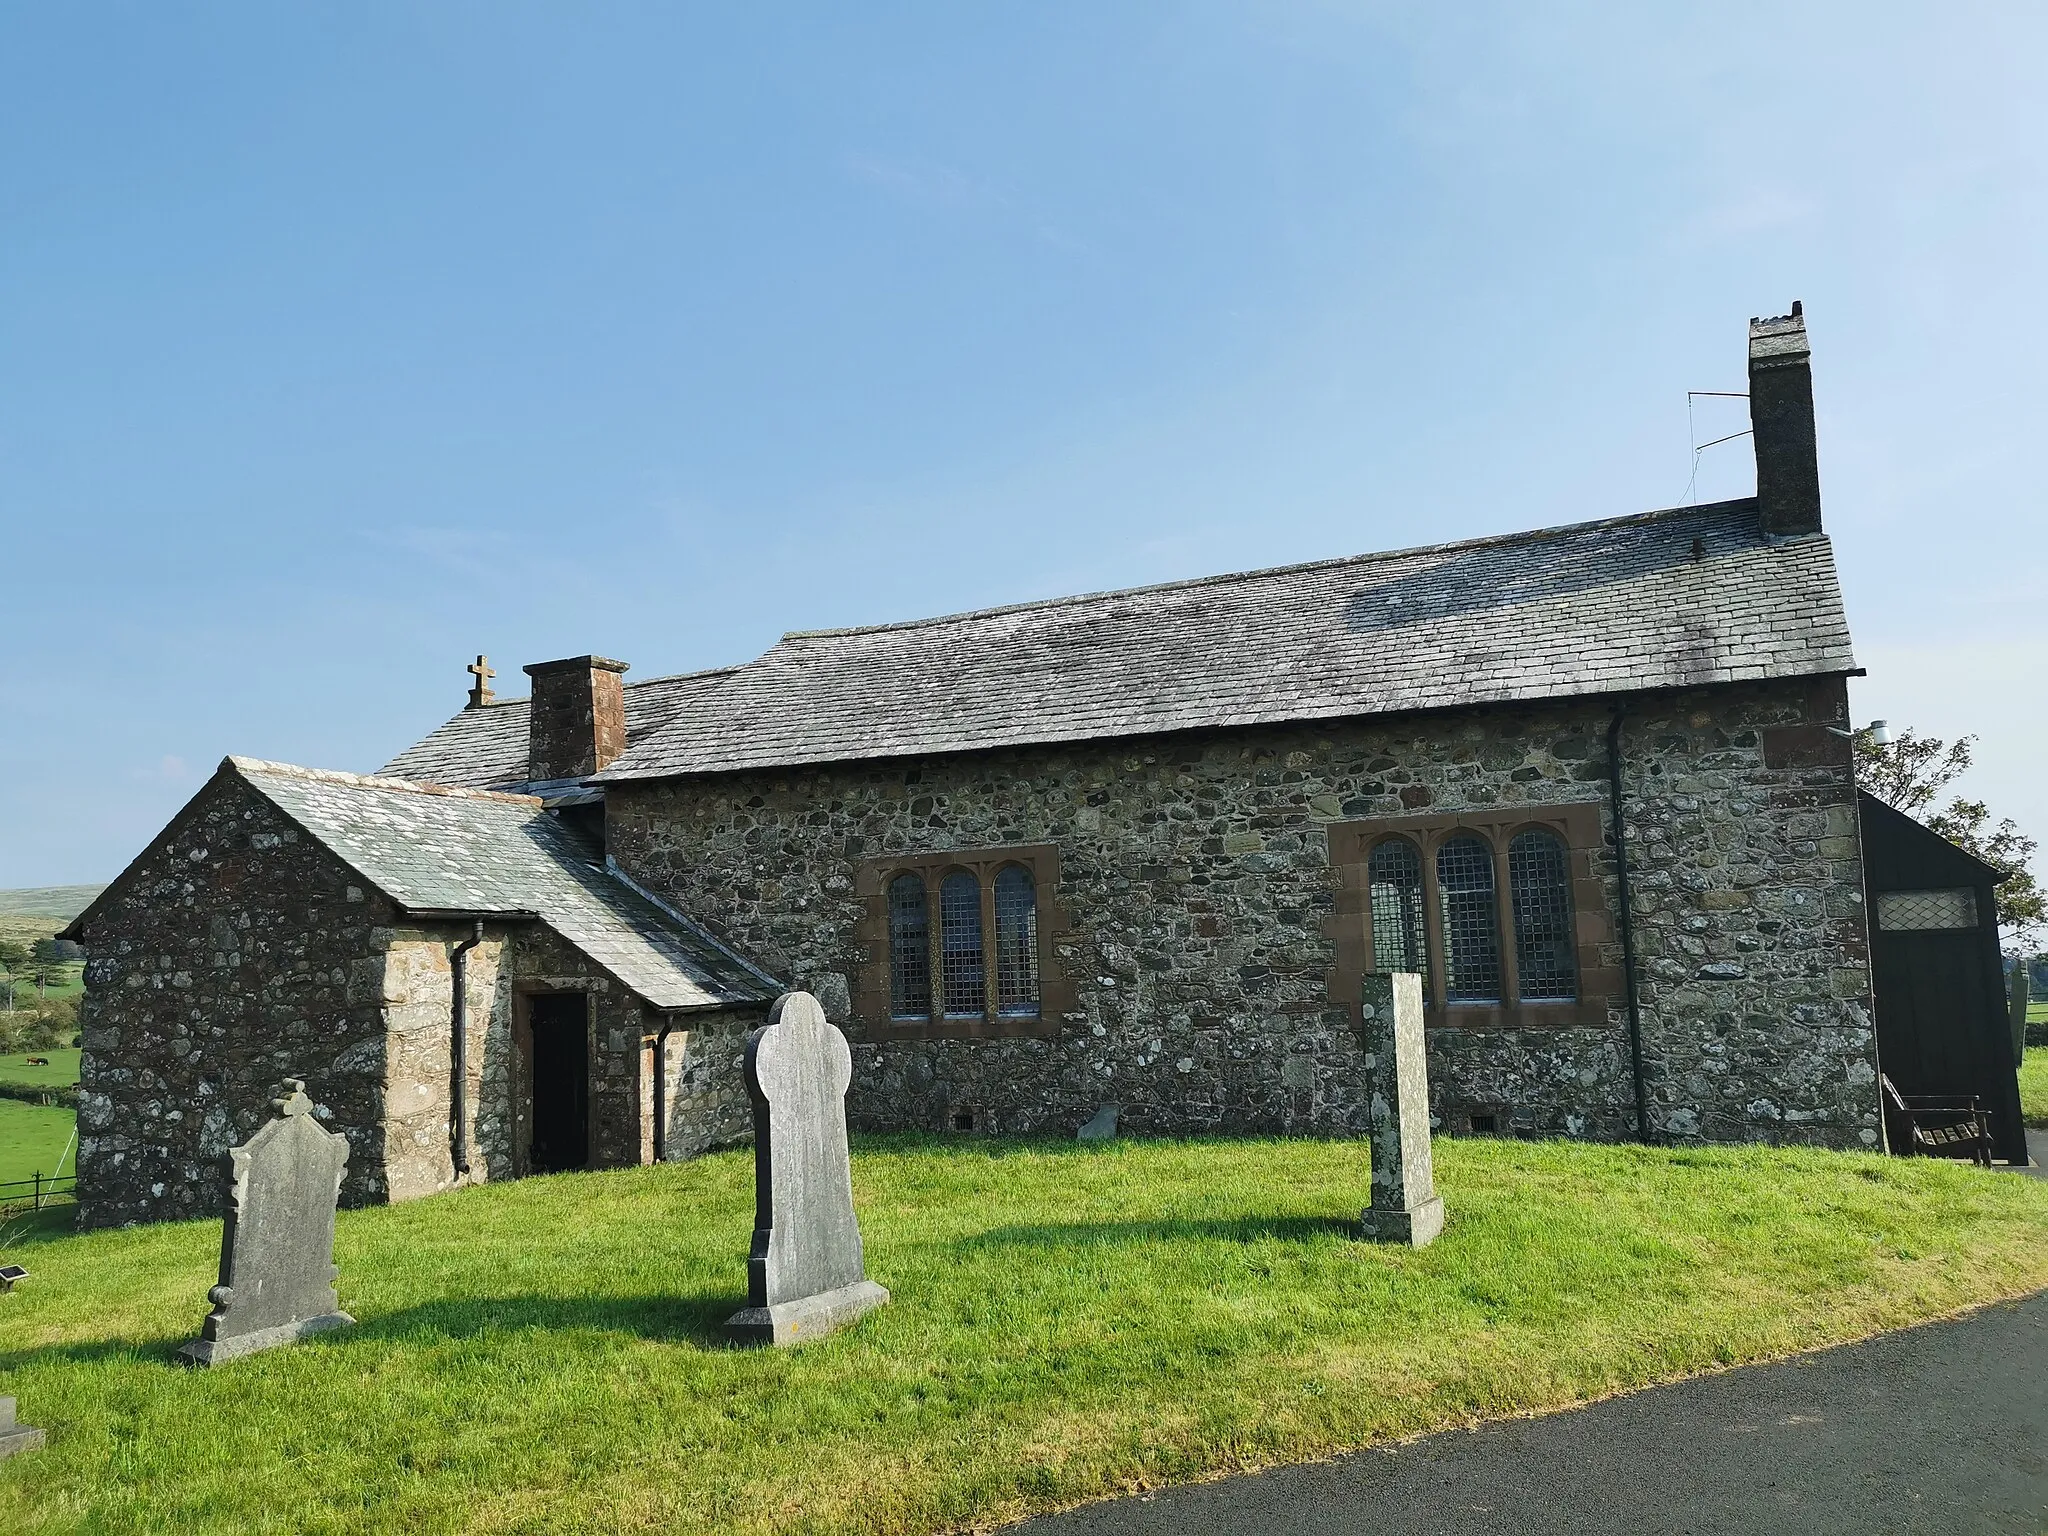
[1464,884]
[1394,873]
[1016,942]
[963,981]
[1540,896]
[910,949]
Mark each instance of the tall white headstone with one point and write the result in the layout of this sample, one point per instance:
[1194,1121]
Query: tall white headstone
[806,1272]
[1405,1207]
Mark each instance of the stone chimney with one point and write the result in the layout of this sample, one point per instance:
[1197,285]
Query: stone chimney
[1781,422]
[577,722]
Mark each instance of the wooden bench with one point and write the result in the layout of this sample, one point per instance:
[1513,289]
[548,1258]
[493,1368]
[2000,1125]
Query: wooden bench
[1938,1127]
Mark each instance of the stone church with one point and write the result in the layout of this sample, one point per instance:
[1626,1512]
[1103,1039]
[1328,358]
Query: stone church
[1136,848]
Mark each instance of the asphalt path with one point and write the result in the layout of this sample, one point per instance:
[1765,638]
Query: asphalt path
[1942,1428]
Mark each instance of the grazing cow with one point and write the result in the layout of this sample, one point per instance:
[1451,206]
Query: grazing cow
[39,1061]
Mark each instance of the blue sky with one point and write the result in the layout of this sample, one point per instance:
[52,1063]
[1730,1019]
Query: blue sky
[341,342]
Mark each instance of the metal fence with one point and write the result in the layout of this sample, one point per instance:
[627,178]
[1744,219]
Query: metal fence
[32,1194]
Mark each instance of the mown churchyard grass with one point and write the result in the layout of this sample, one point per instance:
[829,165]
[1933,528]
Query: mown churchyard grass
[2034,1086]
[1069,1321]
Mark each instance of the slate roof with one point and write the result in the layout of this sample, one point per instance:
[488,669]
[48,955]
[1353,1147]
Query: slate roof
[486,748]
[1594,608]
[1617,606]
[429,847]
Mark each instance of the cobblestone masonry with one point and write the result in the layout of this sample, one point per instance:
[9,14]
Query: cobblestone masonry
[242,952]
[239,954]
[1196,870]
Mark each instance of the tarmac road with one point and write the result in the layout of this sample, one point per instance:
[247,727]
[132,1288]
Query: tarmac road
[1942,1428]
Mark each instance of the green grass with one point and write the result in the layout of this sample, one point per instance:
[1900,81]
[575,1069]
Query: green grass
[1069,1322]
[2034,1087]
[32,1138]
[62,1072]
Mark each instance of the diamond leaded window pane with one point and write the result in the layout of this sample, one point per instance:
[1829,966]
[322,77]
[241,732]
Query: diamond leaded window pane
[1911,911]
[1464,884]
[910,954]
[1394,875]
[1539,888]
[964,974]
[1016,943]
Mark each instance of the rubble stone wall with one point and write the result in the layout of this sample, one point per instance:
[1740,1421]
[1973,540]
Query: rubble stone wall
[1196,869]
[239,954]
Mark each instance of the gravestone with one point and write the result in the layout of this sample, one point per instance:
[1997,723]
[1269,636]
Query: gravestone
[15,1437]
[1405,1207]
[805,1274]
[2021,996]
[1103,1126]
[277,1238]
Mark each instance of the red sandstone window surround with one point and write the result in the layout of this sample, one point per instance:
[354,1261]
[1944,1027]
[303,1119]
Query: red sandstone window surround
[1503,912]
[959,943]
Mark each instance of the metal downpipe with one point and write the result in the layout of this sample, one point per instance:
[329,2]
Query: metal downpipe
[458,969]
[1628,927]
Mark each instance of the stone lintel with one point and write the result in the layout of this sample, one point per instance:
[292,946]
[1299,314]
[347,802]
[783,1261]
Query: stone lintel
[808,1317]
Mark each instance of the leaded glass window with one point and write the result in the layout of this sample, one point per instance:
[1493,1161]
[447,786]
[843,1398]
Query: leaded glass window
[1464,884]
[1016,943]
[964,973]
[910,949]
[1922,911]
[1394,874]
[1539,894]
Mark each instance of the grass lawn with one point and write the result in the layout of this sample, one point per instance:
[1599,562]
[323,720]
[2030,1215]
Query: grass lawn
[32,1138]
[1069,1322]
[2034,1087]
[62,1071]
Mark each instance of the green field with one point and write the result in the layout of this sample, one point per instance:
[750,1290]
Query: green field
[32,1138]
[2034,1087]
[1069,1322]
[62,1071]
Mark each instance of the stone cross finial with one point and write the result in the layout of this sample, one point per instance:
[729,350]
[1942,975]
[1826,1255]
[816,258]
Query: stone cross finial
[480,691]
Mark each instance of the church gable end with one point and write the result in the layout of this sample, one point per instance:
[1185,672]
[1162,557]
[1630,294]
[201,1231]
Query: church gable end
[236,951]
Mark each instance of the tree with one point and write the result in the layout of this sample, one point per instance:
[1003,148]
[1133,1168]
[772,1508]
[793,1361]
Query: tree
[14,958]
[1909,774]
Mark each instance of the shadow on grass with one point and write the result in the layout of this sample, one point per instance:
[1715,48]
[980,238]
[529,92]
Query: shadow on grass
[695,1320]
[1242,1229]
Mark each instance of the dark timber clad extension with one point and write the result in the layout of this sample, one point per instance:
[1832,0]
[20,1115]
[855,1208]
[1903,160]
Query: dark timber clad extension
[1940,985]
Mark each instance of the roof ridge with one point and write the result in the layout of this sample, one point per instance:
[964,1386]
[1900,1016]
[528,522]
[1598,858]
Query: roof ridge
[1527,536]
[645,682]
[249,765]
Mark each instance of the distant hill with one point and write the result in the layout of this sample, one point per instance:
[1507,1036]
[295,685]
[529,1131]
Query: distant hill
[65,901]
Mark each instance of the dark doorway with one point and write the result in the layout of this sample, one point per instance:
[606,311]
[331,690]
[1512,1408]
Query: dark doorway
[1941,1022]
[560,1025]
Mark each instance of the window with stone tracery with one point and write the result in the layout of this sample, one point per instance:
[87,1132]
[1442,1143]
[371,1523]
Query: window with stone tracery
[1485,906]
[961,938]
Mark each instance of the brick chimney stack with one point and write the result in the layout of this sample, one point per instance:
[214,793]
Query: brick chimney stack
[576,724]
[1781,420]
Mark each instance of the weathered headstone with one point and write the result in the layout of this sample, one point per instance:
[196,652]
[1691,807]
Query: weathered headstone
[15,1437]
[2022,994]
[805,1274]
[1103,1126]
[1405,1207]
[277,1237]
